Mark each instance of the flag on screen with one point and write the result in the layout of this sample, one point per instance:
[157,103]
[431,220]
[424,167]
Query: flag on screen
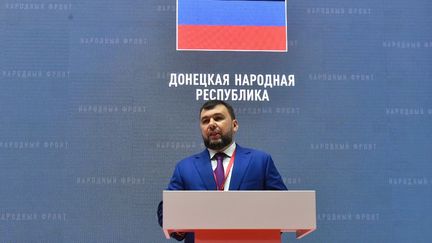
[232,25]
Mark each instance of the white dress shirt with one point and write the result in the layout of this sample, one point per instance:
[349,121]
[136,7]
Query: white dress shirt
[228,152]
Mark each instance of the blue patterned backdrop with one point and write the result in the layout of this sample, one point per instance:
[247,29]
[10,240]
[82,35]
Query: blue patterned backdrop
[90,129]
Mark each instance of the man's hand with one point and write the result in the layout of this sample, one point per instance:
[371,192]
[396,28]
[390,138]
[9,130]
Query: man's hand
[178,235]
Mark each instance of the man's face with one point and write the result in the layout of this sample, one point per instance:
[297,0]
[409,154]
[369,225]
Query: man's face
[217,127]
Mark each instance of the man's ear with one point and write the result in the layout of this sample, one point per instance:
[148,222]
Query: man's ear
[235,125]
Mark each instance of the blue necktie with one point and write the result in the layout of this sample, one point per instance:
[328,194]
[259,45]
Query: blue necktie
[219,171]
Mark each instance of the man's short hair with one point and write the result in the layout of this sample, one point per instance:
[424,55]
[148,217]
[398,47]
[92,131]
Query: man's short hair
[212,103]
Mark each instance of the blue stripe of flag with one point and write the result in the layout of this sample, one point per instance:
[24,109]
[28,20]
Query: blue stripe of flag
[228,12]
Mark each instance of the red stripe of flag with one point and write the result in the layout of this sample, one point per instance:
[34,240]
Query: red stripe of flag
[211,37]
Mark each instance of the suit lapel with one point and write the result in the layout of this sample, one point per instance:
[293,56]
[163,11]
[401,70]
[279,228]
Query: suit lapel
[241,163]
[203,166]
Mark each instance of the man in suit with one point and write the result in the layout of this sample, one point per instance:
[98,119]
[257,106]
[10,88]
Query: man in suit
[224,165]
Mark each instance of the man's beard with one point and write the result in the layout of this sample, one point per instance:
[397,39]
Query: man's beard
[219,144]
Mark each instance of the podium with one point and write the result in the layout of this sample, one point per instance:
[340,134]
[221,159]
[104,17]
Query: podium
[239,216]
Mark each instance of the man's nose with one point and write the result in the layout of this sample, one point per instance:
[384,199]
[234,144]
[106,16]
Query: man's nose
[212,124]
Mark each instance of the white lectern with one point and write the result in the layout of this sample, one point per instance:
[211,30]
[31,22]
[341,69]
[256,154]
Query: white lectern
[239,216]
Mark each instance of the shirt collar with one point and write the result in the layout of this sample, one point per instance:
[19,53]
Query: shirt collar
[228,151]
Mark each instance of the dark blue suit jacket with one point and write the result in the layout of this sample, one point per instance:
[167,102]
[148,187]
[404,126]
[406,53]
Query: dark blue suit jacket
[252,170]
